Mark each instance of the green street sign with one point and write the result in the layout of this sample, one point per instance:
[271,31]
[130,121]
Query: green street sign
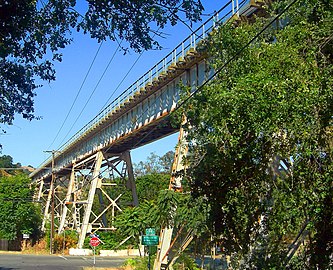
[150,231]
[149,240]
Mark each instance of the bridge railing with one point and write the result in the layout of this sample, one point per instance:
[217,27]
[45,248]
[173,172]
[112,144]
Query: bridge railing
[178,54]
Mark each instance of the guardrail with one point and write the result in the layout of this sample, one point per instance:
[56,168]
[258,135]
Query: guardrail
[189,43]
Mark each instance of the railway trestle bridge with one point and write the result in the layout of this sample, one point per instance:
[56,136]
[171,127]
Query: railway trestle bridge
[82,185]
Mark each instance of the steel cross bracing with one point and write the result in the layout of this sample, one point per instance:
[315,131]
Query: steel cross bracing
[102,177]
[150,98]
[95,163]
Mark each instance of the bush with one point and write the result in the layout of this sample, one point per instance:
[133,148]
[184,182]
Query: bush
[63,242]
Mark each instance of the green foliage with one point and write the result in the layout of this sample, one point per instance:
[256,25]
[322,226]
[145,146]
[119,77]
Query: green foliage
[167,204]
[261,137]
[17,212]
[184,262]
[133,221]
[178,210]
[149,185]
[6,161]
[110,241]
[34,32]
[192,213]
[170,209]
[155,164]
[137,263]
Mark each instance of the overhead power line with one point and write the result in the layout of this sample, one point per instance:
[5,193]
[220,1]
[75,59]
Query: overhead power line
[236,55]
[77,95]
[199,88]
[121,82]
[14,169]
[99,81]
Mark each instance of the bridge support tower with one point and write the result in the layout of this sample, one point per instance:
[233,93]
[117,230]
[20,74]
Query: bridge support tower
[89,197]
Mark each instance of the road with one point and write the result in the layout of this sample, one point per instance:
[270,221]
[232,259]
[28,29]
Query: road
[43,262]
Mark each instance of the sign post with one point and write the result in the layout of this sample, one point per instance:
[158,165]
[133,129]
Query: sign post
[94,242]
[150,239]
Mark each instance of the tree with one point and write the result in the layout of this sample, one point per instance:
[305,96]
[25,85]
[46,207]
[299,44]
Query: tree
[6,161]
[149,185]
[155,164]
[168,208]
[261,138]
[32,34]
[18,214]
[161,207]
[166,161]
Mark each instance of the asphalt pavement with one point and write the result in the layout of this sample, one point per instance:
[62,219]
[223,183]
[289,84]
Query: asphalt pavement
[9,261]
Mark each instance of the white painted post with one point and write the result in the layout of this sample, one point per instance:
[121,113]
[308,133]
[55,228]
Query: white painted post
[47,206]
[40,191]
[67,199]
[92,191]
[131,182]
[175,184]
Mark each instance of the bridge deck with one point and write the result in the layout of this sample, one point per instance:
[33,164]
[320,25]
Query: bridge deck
[127,121]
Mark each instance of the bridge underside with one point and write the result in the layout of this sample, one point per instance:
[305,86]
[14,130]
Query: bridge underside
[104,176]
[153,131]
[95,165]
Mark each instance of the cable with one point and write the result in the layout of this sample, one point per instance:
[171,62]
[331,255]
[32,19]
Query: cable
[129,72]
[77,95]
[120,83]
[85,105]
[44,6]
[199,88]
[218,71]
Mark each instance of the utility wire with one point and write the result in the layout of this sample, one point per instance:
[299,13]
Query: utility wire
[85,105]
[120,83]
[112,94]
[77,95]
[125,76]
[198,89]
[11,199]
[236,55]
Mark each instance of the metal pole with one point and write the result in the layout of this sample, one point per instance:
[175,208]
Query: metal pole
[94,255]
[149,257]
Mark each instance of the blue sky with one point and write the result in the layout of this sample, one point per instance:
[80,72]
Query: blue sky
[26,141]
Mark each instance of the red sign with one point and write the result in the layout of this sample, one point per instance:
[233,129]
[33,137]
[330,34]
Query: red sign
[94,241]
